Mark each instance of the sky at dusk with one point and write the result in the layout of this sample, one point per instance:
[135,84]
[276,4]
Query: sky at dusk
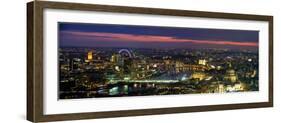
[134,36]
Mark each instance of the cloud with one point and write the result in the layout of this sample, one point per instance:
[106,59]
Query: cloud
[152,38]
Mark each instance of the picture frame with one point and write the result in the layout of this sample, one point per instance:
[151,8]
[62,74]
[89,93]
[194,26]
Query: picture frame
[36,45]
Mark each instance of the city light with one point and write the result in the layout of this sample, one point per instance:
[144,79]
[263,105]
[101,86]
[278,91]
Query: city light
[123,73]
[108,60]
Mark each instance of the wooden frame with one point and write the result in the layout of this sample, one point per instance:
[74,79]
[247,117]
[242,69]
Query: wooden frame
[35,60]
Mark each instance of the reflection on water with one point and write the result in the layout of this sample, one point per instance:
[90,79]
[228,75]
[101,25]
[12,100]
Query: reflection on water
[128,89]
[134,89]
[118,90]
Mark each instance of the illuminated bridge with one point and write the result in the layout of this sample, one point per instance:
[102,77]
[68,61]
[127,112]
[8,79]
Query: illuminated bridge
[145,81]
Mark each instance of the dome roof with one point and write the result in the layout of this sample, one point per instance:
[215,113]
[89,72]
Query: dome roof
[230,71]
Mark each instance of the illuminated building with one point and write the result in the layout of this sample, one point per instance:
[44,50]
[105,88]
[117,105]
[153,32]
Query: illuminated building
[169,65]
[75,64]
[230,75]
[113,58]
[89,56]
[117,59]
[202,62]
[239,86]
[236,87]
[181,67]
[198,75]
[221,88]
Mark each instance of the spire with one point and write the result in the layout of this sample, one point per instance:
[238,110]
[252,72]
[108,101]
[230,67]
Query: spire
[229,65]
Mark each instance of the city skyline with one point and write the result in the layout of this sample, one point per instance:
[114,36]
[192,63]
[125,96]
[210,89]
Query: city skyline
[105,60]
[109,35]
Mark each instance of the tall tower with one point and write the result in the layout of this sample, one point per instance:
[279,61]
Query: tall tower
[90,56]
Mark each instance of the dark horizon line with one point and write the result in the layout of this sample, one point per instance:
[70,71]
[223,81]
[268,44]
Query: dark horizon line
[192,48]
